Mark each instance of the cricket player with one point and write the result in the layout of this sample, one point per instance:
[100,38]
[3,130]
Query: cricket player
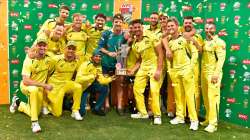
[213,57]
[34,73]
[181,72]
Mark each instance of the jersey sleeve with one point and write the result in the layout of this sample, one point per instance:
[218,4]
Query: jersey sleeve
[27,65]
[220,51]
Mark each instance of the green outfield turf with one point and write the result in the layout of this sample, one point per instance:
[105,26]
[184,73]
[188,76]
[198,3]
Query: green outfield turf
[112,127]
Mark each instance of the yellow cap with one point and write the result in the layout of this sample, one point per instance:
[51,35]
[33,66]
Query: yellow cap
[71,43]
[39,40]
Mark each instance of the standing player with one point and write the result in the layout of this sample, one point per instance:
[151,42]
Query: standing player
[50,24]
[109,45]
[150,69]
[197,41]
[213,57]
[181,73]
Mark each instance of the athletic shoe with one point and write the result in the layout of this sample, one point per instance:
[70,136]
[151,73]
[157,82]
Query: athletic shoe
[35,127]
[76,115]
[194,125]
[211,128]
[14,106]
[177,120]
[98,112]
[139,116]
[45,111]
[157,120]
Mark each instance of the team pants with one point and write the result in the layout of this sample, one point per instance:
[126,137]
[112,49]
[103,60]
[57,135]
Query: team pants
[94,88]
[170,96]
[141,79]
[197,87]
[211,97]
[57,94]
[183,82]
[35,99]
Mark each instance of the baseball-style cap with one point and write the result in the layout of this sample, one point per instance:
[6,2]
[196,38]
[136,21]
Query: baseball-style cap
[71,43]
[97,52]
[41,40]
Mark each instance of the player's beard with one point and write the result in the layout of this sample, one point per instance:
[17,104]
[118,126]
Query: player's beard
[188,28]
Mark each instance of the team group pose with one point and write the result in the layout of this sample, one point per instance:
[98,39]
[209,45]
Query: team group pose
[167,66]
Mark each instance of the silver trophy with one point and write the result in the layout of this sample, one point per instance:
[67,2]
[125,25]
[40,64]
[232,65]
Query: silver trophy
[121,68]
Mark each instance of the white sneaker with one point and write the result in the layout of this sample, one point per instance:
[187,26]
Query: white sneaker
[35,127]
[45,111]
[194,125]
[170,114]
[177,120]
[76,115]
[157,120]
[13,106]
[211,128]
[139,116]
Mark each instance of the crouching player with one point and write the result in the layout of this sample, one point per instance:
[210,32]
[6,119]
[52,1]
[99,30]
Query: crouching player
[34,74]
[90,76]
[62,71]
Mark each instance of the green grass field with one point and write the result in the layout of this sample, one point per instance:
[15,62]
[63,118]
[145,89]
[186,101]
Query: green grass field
[112,127]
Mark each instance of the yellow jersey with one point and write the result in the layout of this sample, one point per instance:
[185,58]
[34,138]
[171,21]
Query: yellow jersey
[61,70]
[36,69]
[213,55]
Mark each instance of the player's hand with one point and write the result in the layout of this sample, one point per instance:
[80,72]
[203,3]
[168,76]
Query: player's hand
[157,75]
[130,72]
[48,87]
[112,54]
[169,55]
[214,79]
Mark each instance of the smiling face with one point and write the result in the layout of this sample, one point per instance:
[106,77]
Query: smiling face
[96,59]
[117,24]
[99,22]
[138,29]
[172,27]
[154,19]
[64,14]
[70,52]
[188,25]
[41,48]
[77,21]
[210,29]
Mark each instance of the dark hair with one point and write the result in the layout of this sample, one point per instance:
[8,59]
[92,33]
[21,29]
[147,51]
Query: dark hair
[118,16]
[101,15]
[188,17]
[173,19]
[59,24]
[64,7]
[154,13]
[135,21]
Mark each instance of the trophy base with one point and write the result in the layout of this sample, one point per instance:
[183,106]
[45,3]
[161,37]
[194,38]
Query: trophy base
[121,72]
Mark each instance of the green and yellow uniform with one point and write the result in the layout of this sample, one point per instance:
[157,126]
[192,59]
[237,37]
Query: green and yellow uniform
[37,70]
[213,57]
[181,72]
[146,50]
[199,40]
[80,38]
[62,72]
[94,36]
